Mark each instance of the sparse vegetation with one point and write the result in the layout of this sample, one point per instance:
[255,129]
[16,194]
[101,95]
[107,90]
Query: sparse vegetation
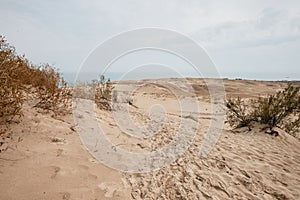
[279,110]
[18,78]
[51,90]
[12,85]
[103,94]
[239,114]
[99,91]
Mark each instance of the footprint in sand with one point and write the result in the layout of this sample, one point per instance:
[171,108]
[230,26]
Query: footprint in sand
[92,176]
[86,168]
[66,195]
[56,170]
[59,152]
[109,188]
[83,167]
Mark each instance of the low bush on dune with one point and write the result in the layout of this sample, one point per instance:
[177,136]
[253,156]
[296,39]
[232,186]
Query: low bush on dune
[11,95]
[103,95]
[18,78]
[51,90]
[239,113]
[280,110]
[99,91]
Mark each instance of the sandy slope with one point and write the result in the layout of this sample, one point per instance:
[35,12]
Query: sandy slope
[243,165]
[44,157]
[45,160]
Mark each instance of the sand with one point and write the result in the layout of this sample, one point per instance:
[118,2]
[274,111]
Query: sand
[43,157]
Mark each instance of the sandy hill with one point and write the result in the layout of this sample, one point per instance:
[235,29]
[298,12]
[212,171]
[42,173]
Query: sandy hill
[42,157]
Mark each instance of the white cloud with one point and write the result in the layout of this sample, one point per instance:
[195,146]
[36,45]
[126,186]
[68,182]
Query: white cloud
[271,27]
[64,32]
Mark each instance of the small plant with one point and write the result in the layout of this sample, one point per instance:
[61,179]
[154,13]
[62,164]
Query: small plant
[103,94]
[280,110]
[293,126]
[238,114]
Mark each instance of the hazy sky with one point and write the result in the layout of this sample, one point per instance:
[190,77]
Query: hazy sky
[241,37]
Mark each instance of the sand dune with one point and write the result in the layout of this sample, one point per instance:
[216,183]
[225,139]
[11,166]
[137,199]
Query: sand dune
[43,158]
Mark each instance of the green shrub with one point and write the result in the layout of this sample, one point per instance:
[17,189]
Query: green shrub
[279,110]
[238,114]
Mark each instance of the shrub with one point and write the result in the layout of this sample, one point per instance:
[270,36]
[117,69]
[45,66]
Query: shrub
[103,94]
[279,110]
[276,109]
[11,91]
[18,77]
[238,115]
[51,90]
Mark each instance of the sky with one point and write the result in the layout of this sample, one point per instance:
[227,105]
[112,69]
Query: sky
[250,38]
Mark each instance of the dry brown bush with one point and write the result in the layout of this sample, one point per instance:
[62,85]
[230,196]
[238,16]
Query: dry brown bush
[18,77]
[11,90]
[103,94]
[51,90]
[99,91]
